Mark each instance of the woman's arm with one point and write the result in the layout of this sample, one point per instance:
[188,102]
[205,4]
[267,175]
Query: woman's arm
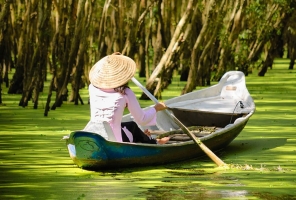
[142,117]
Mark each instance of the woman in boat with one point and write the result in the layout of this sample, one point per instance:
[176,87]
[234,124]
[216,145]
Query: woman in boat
[110,95]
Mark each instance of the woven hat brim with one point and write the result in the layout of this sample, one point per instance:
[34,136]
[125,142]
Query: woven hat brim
[112,71]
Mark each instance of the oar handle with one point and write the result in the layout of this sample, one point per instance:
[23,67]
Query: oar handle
[144,90]
[152,97]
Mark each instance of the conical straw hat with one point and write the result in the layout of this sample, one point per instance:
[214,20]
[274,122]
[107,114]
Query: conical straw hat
[112,71]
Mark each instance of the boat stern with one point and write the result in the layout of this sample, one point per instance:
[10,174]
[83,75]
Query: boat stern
[85,149]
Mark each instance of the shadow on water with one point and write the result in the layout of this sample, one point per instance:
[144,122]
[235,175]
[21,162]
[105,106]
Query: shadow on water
[192,184]
[197,192]
[229,188]
[188,181]
[243,147]
[192,192]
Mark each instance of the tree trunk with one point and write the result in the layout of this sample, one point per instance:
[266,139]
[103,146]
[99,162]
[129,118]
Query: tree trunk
[157,38]
[290,35]
[228,42]
[33,80]
[5,42]
[169,52]
[276,41]
[5,45]
[129,48]
[23,51]
[71,40]
[167,73]
[196,51]
[141,34]
[83,19]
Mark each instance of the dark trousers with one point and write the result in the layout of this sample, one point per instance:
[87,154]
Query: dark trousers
[137,133]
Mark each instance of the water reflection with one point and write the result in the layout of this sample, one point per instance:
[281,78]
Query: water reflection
[193,192]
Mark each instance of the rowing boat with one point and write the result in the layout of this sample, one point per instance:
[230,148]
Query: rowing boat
[216,115]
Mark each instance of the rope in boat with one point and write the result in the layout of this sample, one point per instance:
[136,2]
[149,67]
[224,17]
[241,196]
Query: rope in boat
[241,106]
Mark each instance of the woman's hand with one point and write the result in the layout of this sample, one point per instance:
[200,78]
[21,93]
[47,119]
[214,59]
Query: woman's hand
[147,132]
[160,106]
[159,141]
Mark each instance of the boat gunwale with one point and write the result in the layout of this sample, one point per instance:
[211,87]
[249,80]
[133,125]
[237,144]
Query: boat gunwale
[182,143]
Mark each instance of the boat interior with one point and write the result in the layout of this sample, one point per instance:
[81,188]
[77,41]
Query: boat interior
[211,108]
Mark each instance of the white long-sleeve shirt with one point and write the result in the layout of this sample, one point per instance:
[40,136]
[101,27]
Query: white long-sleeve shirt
[108,105]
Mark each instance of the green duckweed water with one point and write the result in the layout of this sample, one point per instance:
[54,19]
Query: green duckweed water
[34,161]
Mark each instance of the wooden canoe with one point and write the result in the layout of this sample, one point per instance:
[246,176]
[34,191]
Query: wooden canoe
[224,108]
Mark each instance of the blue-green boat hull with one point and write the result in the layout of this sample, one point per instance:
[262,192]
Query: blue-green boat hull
[94,152]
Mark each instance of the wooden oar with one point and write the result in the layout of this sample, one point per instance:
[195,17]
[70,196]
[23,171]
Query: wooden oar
[207,151]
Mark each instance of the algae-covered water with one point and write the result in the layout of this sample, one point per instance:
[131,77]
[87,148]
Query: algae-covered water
[34,162]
